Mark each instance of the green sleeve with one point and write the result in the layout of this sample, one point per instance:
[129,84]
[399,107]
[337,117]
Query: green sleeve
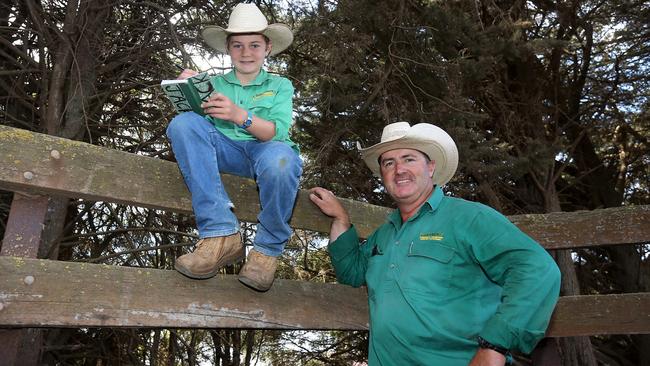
[529,277]
[349,258]
[281,113]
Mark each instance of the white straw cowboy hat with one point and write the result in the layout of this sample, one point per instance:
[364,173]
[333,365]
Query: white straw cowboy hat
[247,18]
[427,138]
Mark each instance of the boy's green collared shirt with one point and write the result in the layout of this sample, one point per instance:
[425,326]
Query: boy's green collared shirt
[454,271]
[268,96]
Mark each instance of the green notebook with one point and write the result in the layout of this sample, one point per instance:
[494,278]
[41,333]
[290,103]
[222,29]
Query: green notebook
[187,95]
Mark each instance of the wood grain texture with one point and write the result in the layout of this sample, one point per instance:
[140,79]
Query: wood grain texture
[96,173]
[601,314]
[50,165]
[75,294]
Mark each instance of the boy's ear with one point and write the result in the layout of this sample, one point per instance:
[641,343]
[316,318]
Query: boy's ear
[269,47]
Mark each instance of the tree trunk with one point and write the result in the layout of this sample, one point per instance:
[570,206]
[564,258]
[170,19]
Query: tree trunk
[250,343]
[574,351]
[171,353]
[236,346]
[71,86]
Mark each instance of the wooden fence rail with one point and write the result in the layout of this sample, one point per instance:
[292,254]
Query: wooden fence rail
[81,170]
[45,293]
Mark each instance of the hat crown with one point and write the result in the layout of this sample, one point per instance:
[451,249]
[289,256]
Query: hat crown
[246,18]
[394,131]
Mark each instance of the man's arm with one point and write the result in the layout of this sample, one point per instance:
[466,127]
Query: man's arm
[347,255]
[527,274]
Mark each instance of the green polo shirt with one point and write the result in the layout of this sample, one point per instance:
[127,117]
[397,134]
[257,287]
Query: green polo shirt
[268,96]
[454,271]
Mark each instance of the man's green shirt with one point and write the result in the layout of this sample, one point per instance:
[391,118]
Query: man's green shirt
[454,271]
[268,96]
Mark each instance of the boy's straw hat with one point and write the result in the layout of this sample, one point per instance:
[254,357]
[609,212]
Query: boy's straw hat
[247,18]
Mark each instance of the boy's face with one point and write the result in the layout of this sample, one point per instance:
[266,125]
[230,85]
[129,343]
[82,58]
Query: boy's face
[247,52]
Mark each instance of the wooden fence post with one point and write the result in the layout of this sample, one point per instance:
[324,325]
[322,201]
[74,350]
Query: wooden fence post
[22,238]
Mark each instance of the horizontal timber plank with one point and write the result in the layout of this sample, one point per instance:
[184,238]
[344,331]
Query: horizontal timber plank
[601,314]
[96,173]
[72,294]
[561,230]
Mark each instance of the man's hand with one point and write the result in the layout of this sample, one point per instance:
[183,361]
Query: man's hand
[328,203]
[487,357]
[220,106]
[331,206]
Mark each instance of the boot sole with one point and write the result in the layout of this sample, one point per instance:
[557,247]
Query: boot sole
[253,284]
[185,272]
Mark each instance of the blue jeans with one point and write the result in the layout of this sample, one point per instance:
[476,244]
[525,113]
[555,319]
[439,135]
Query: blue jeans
[203,152]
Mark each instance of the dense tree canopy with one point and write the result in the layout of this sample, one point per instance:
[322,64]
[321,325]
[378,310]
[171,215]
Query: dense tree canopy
[548,102]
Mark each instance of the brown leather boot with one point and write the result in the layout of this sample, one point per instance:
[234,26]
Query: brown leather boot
[258,272]
[210,255]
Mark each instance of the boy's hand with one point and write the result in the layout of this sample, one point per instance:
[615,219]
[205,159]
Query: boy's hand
[187,73]
[220,106]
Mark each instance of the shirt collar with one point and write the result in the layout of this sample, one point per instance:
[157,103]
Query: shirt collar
[431,204]
[261,77]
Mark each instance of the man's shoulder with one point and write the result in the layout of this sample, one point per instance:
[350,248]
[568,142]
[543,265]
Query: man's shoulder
[463,206]
[457,202]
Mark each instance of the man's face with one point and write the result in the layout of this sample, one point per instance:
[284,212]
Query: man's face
[406,174]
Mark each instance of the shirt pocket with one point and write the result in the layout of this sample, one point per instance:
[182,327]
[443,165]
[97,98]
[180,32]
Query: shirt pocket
[429,267]
[263,101]
[431,250]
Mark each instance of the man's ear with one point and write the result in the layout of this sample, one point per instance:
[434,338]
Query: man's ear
[431,164]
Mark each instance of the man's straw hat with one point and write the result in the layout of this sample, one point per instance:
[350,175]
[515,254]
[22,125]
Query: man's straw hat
[427,138]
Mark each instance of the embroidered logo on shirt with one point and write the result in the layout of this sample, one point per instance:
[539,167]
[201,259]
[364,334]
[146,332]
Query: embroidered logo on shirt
[268,93]
[432,236]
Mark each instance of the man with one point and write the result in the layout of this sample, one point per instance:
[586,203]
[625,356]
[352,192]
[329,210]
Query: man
[450,282]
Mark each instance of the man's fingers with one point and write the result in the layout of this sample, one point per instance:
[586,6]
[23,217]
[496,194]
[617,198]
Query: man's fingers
[318,193]
[314,197]
[321,193]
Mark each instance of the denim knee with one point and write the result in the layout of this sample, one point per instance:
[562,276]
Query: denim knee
[281,165]
[183,123]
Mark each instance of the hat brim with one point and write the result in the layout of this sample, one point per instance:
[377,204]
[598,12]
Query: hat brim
[280,35]
[430,140]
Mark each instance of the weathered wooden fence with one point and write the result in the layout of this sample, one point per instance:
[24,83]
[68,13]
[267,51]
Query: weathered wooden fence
[45,293]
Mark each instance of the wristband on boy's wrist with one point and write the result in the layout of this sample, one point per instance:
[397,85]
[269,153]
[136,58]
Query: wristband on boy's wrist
[482,343]
[248,121]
